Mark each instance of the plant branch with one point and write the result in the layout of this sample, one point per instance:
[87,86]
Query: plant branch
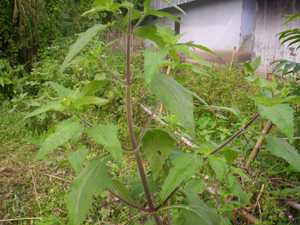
[128,203]
[236,134]
[167,199]
[130,122]
[189,143]
[141,19]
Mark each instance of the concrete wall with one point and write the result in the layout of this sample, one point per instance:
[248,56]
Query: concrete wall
[248,26]
[269,22]
[215,24]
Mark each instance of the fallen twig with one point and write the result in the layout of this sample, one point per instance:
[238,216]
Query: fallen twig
[249,217]
[260,192]
[35,190]
[20,219]
[58,178]
[255,151]
[185,140]
[257,204]
[281,182]
[293,204]
[146,126]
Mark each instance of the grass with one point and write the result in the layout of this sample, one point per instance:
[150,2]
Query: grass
[27,189]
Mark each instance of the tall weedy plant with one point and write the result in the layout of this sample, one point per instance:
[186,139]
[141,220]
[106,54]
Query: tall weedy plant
[170,178]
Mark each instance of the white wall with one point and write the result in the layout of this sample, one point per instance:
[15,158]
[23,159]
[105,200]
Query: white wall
[216,24]
[269,22]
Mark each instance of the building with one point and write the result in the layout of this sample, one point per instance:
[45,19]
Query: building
[239,29]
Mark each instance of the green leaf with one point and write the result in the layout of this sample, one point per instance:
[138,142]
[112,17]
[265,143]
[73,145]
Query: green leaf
[292,17]
[51,106]
[176,98]
[236,190]
[107,135]
[231,154]
[157,146]
[196,213]
[88,100]
[93,87]
[61,90]
[285,67]
[293,100]
[161,14]
[65,131]
[153,60]
[150,222]
[168,35]
[150,33]
[262,82]
[77,158]
[198,46]
[148,10]
[206,148]
[175,6]
[160,35]
[269,101]
[93,179]
[284,150]
[219,166]
[100,8]
[122,190]
[185,165]
[281,115]
[106,3]
[234,111]
[291,37]
[194,187]
[82,41]
[287,192]
[251,66]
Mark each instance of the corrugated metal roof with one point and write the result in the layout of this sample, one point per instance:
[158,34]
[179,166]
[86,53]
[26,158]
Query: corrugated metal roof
[161,4]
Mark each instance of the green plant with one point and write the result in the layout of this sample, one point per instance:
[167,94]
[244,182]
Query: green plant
[291,38]
[275,102]
[30,25]
[175,182]
[11,79]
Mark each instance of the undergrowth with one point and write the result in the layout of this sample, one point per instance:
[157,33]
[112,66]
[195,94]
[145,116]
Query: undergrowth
[38,190]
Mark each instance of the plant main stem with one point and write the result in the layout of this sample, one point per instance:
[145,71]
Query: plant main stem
[130,123]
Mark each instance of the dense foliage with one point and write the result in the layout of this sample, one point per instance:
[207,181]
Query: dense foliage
[28,26]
